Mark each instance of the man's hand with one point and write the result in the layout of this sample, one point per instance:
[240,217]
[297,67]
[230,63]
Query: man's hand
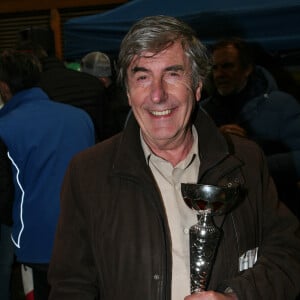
[211,295]
[233,129]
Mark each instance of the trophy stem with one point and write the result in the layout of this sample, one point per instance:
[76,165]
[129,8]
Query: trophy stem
[204,240]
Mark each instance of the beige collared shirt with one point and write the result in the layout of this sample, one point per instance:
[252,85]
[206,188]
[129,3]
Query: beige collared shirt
[180,217]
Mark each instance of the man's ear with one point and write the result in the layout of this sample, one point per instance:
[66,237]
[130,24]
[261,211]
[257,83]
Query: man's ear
[128,97]
[198,91]
[249,70]
[5,91]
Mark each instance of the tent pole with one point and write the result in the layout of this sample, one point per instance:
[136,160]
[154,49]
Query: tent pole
[55,21]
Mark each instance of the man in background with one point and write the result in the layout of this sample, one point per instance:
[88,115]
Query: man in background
[41,137]
[246,101]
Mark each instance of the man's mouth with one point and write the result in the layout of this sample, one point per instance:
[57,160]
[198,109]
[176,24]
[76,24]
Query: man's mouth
[161,113]
[221,82]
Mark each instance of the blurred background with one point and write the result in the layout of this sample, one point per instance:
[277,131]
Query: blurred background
[71,29]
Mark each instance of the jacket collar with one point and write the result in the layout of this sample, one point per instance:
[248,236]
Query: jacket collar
[22,97]
[50,63]
[213,146]
[130,159]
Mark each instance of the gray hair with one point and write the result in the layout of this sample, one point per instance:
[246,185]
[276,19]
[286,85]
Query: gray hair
[157,33]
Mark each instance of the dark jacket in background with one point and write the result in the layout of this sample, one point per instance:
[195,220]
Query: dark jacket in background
[272,119]
[113,239]
[75,88]
[116,110]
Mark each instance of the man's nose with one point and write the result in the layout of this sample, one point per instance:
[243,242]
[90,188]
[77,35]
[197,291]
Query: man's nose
[158,91]
[217,71]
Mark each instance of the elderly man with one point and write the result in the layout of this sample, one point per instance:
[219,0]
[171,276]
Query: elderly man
[123,230]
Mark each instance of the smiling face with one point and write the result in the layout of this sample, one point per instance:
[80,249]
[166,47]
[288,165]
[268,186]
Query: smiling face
[161,96]
[228,73]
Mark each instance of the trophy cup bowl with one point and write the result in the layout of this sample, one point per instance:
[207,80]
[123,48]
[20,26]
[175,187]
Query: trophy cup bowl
[207,201]
[217,199]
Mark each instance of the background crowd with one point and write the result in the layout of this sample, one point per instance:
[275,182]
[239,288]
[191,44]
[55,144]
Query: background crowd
[52,113]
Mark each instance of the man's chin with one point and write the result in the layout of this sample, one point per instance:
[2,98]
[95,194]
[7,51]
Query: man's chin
[225,92]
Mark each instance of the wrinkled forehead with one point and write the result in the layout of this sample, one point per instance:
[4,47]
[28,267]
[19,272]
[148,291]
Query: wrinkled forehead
[225,54]
[168,55]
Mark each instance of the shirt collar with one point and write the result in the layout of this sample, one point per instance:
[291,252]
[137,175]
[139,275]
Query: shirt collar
[194,152]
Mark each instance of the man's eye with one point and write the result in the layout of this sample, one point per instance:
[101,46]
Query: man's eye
[141,77]
[173,75]
[227,65]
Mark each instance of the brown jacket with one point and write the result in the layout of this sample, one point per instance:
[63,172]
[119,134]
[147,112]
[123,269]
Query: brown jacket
[113,240]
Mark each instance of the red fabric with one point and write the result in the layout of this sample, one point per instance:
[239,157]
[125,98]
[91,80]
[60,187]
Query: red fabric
[29,296]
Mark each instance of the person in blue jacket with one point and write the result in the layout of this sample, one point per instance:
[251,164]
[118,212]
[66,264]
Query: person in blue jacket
[245,100]
[41,137]
[6,245]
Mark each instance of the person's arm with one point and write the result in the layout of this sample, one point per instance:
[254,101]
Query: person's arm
[72,272]
[233,129]
[275,275]
[284,165]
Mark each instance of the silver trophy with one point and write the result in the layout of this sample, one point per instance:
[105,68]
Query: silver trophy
[207,201]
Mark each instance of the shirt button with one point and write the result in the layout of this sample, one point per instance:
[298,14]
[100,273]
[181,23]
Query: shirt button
[156,277]
[186,230]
